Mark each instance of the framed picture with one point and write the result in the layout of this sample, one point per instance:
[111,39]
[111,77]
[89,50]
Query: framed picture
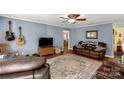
[92,34]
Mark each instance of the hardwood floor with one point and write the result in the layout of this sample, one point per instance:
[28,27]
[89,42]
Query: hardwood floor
[62,53]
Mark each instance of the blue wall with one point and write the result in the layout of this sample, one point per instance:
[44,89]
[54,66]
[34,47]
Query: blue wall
[1,30]
[104,35]
[32,32]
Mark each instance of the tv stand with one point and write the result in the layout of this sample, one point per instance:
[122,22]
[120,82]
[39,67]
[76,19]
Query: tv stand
[49,50]
[45,46]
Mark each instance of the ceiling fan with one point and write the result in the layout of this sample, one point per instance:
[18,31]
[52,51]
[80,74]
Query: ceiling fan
[72,18]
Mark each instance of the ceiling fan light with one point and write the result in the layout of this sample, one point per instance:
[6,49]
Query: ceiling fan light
[71,20]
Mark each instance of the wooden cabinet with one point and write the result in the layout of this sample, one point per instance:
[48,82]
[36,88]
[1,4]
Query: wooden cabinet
[46,51]
[3,48]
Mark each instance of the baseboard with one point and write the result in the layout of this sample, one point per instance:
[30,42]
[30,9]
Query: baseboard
[109,56]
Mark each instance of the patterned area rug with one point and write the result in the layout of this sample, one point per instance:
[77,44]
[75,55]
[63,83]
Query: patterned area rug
[71,66]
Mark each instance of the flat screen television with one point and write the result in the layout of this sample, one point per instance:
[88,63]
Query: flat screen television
[45,41]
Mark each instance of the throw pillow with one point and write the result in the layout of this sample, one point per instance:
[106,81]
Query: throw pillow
[98,48]
[78,46]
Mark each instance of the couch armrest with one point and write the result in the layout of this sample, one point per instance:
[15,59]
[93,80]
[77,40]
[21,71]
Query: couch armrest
[43,72]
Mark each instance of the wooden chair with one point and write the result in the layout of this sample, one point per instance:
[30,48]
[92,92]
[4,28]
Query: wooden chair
[3,48]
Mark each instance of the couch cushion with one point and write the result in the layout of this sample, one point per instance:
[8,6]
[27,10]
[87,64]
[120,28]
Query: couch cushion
[78,46]
[21,64]
[99,48]
[80,42]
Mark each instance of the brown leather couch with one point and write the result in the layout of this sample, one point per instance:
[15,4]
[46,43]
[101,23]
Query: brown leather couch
[25,68]
[90,49]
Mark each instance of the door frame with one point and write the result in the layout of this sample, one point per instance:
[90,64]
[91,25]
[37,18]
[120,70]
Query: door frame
[68,38]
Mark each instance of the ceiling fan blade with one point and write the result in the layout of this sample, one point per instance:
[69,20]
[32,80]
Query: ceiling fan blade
[81,19]
[74,22]
[64,21]
[73,16]
[63,18]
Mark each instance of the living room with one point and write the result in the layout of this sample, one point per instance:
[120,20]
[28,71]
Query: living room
[81,53]
[35,35]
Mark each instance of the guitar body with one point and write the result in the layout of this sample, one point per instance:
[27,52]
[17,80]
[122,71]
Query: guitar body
[20,39]
[9,34]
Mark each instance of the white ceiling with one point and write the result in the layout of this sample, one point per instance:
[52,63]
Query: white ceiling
[53,19]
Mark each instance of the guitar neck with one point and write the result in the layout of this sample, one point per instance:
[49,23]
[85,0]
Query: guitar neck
[10,26]
[20,31]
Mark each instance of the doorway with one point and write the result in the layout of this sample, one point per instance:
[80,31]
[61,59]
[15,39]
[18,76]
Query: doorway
[66,41]
[118,41]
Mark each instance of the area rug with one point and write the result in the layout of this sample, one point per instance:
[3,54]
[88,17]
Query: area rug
[71,66]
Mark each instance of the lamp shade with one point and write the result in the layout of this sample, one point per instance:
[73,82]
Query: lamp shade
[71,20]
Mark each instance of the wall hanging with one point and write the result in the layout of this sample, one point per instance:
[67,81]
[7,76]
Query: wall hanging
[92,34]
[9,34]
[20,39]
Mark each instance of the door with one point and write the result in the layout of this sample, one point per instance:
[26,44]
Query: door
[118,40]
[66,41]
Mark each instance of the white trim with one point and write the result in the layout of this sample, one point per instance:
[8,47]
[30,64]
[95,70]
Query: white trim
[69,42]
[97,24]
[34,21]
[113,44]
[70,48]
[109,56]
[29,20]
[23,19]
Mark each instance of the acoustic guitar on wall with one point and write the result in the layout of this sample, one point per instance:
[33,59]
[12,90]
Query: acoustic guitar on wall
[20,39]
[9,34]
